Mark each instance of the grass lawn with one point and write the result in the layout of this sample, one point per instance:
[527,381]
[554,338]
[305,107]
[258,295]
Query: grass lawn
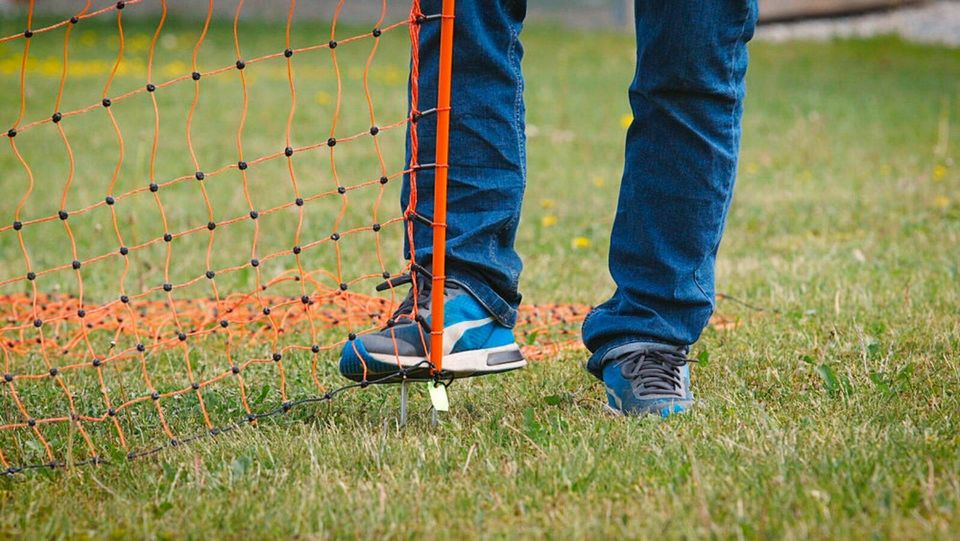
[834,412]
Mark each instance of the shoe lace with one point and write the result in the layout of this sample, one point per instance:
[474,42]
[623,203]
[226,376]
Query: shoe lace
[654,372]
[421,279]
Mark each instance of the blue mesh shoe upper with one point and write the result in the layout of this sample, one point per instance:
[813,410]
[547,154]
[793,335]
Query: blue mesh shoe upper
[404,343]
[653,381]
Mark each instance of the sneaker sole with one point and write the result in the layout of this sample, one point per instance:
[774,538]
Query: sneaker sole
[477,362]
[662,410]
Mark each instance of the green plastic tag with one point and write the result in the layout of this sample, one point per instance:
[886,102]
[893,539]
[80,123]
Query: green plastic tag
[438,396]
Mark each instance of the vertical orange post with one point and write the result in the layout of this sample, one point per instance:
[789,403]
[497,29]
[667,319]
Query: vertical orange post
[440,185]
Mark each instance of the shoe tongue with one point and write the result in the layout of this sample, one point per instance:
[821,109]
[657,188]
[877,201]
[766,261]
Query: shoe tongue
[425,300]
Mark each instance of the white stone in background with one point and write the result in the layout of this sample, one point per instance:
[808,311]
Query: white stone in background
[934,23]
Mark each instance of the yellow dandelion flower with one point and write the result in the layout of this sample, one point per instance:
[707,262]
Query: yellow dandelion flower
[548,203]
[941,201]
[580,243]
[387,75]
[50,67]
[88,38]
[598,181]
[175,68]
[548,221]
[626,120]
[139,42]
[939,172]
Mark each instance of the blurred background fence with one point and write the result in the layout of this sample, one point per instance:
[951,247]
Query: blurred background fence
[592,13]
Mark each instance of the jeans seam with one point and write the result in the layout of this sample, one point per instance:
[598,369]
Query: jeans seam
[731,125]
[517,105]
[518,100]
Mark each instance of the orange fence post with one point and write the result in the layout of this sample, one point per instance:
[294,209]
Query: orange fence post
[440,185]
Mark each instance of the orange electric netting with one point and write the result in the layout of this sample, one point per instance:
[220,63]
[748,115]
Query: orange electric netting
[190,218]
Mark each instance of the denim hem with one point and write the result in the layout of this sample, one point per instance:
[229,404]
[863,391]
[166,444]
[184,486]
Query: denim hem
[501,310]
[599,357]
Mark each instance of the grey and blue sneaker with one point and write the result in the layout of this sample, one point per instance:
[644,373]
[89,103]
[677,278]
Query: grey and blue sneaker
[474,343]
[648,381]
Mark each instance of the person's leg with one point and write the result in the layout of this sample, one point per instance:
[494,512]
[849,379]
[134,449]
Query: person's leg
[487,150]
[681,157]
[485,189]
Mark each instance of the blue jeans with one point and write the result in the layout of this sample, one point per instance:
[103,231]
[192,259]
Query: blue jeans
[681,157]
